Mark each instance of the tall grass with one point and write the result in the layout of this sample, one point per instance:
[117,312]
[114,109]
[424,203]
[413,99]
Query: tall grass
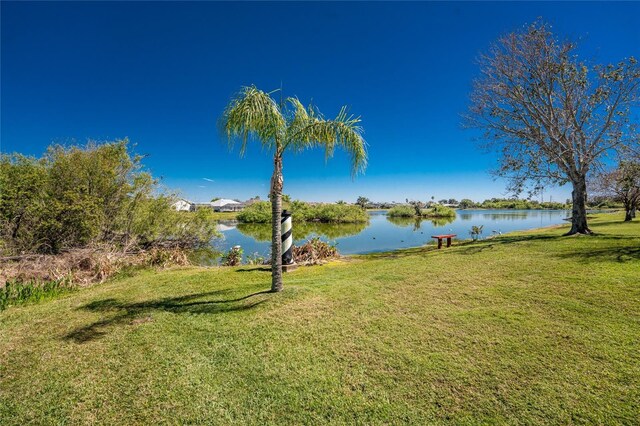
[19,292]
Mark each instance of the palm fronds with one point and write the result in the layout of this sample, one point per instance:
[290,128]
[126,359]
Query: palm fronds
[253,113]
[310,129]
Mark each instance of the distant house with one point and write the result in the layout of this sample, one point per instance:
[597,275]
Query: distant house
[183,206]
[226,205]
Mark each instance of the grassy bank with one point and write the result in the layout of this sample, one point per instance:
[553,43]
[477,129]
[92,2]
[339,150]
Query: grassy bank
[527,328]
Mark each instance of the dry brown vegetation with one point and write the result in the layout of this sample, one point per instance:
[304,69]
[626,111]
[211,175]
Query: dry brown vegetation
[84,266]
[314,252]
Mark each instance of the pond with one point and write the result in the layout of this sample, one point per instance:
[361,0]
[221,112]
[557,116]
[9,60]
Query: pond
[384,233]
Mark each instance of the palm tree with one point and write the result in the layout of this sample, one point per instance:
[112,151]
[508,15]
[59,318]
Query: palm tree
[283,127]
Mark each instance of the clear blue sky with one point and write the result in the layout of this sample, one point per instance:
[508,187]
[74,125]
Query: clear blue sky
[161,74]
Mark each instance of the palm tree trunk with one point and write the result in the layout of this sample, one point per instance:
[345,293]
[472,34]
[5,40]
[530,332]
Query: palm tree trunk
[276,212]
[579,212]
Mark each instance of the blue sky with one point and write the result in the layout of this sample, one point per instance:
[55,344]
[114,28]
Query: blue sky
[161,74]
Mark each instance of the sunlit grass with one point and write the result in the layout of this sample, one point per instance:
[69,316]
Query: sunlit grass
[530,327]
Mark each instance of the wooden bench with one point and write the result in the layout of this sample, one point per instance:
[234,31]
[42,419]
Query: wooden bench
[441,237]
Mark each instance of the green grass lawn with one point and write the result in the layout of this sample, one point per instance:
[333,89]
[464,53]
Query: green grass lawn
[528,328]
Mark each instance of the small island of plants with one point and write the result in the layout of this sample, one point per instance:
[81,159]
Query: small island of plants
[260,212]
[417,209]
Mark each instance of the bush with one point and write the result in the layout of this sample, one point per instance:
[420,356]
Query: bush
[402,211]
[476,231]
[439,211]
[336,213]
[233,257]
[466,203]
[410,211]
[88,195]
[260,212]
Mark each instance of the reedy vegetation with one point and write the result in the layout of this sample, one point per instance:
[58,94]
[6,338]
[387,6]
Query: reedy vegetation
[288,126]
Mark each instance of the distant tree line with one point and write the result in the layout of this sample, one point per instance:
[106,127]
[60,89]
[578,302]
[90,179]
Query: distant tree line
[513,203]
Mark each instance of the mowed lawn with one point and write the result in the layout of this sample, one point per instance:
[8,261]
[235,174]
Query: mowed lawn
[529,328]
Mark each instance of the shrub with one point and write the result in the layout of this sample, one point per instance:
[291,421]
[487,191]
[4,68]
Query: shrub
[81,196]
[410,211]
[466,203]
[337,213]
[476,231]
[439,211]
[233,257]
[258,212]
[256,259]
[401,211]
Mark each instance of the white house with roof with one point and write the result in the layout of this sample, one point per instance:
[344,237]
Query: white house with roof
[183,206]
[226,205]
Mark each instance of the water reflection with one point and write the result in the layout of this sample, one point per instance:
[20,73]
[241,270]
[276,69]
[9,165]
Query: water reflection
[493,216]
[304,230]
[387,233]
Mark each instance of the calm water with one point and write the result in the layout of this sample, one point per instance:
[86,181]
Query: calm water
[384,233]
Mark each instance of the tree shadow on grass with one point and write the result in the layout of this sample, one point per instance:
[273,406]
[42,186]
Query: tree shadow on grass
[137,313]
[470,247]
[255,269]
[460,246]
[606,254]
[473,247]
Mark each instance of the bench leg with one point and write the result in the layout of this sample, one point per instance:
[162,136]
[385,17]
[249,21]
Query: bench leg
[439,243]
[448,242]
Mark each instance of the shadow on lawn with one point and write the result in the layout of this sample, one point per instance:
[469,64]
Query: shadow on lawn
[136,313]
[606,254]
[461,247]
[473,247]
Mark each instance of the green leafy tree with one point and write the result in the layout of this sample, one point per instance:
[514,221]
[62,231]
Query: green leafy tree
[362,202]
[96,194]
[288,126]
[466,203]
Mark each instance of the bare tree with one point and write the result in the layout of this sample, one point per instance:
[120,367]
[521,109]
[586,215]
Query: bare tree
[552,117]
[623,185]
